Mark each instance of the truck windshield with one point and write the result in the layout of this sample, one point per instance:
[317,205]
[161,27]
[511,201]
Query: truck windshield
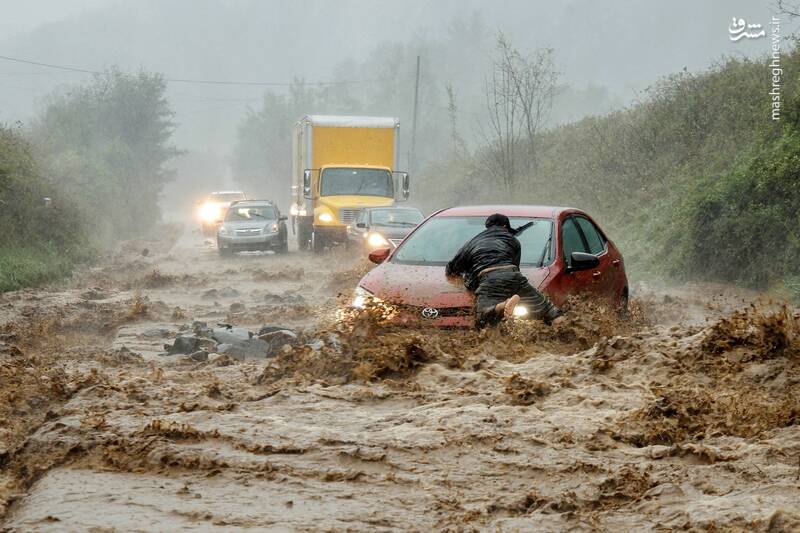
[356,182]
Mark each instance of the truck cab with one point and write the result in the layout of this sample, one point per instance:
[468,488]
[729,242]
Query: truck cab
[342,165]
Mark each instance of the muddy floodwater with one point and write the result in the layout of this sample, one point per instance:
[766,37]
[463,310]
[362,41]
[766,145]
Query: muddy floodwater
[684,416]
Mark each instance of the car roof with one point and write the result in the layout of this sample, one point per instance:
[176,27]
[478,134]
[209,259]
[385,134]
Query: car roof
[254,202]
[406,208]
[536,211]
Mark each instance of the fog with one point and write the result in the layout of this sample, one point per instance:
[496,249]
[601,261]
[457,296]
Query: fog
[606,54]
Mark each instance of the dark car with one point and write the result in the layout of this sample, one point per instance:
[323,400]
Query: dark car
[563,253]
[378,227]
[252,225]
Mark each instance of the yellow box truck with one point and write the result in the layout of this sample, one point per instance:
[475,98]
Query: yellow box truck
[341,165]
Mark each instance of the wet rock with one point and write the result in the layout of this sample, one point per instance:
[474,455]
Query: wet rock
[200,356]
[155,333]
[201,329]
[95,293]
[225,292]
[185,344]
[249,349]
[230,334]
[278,339]
[236,307]
[283,299]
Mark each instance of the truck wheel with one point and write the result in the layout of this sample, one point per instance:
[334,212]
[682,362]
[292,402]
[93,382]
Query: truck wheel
[302,237]
[317,243]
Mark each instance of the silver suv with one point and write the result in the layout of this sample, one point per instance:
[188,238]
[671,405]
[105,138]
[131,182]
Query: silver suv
[252,225]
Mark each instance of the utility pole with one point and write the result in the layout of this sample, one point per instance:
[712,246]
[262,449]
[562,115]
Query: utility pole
[412,153]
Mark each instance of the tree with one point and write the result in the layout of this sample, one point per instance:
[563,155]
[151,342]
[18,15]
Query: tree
[519,97]
[105,145]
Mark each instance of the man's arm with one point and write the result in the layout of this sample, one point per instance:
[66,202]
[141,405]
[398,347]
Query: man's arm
[457,265]
[517,252]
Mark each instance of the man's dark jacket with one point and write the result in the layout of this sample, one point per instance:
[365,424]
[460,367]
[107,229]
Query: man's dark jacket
[495,246]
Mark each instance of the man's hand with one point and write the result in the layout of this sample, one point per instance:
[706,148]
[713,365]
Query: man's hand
[455,279]
[558,320]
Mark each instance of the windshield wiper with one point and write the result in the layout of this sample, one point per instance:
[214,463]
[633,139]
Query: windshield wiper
[545,250]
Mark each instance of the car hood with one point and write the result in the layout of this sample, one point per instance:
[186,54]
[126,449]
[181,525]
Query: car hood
[247,224]
[392,232]
[426,286]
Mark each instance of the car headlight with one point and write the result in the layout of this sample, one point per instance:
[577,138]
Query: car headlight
[360,297]
[520,311]
[376,240]
[209,212]
[222,230]
[273,228]
[325,217]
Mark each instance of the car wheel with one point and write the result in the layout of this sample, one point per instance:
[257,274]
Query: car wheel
[225,251]
[623,309]
[283,247]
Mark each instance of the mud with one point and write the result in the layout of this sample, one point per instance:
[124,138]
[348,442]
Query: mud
[683,415]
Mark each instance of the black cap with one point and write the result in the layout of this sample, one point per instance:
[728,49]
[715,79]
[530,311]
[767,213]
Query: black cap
[498,220]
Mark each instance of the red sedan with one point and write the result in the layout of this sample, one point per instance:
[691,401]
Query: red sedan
[563,253]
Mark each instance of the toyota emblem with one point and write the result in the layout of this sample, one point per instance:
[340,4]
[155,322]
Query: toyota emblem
[430,312]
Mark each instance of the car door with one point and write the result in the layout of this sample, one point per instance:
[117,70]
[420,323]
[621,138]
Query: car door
[564,284]
[603,277]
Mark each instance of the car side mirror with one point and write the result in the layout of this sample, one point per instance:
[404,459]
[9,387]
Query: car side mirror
[361,225]
[307,183]
[379,255]
[282,218]
[582,261]
[406,186]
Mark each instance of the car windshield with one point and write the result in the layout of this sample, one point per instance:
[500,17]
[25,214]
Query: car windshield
[395,217]
[437,241]
[356,182]
[254,213]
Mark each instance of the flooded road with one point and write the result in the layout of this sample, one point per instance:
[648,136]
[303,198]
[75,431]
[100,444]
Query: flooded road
[685,416]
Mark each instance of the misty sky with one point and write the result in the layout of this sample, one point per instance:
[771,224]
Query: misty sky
[621,45]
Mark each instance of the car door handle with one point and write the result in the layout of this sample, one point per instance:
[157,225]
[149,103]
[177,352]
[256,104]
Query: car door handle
[596,274]
[615,262]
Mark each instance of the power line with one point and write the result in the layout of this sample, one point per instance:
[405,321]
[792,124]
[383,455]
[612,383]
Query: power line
[189,81]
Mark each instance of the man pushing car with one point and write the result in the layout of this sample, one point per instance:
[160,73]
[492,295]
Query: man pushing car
[489,264]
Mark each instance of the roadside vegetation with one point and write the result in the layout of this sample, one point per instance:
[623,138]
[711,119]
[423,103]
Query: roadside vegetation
[695,181]
[86,173]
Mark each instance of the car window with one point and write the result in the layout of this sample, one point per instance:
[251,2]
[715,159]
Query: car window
[571,240]
[593,237]
[396,217]
[436,241]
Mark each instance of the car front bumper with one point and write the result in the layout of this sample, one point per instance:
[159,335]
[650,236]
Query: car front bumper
[248,241]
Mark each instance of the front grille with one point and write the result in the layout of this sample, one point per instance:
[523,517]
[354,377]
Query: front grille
[348,215]
[396,242]
[245,232]
[442,312]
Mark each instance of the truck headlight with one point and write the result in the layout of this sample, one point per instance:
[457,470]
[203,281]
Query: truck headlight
[376,240]
[326,217]
[273,228]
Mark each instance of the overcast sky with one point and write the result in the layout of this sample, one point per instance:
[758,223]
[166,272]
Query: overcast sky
[619,45]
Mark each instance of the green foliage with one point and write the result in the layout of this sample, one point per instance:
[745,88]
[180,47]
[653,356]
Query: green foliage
[33,231]
[106,145]
[746,227]
[696,180]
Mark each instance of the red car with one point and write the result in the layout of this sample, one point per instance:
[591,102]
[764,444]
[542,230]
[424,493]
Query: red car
[565,252]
